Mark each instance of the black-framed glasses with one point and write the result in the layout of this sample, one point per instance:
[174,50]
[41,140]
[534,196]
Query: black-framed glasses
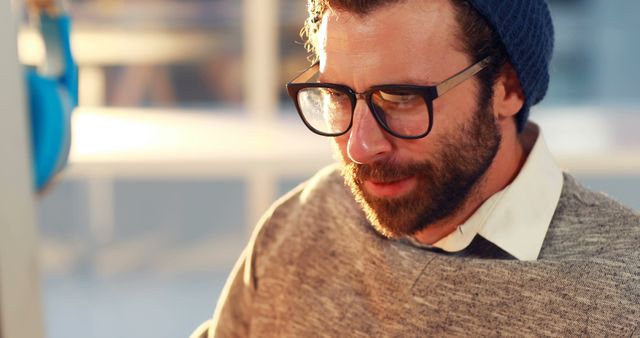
[404,111]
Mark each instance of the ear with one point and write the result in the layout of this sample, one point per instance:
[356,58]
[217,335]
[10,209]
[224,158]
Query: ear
[508,97]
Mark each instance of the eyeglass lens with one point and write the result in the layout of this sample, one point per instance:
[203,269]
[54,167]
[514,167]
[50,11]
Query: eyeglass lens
[325,109]
[329,110]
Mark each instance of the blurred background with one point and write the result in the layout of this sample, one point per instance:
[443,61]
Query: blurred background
[184,136]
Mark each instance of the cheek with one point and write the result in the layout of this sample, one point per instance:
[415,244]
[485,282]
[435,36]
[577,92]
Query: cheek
[339,146]
[402,150]
[417,150]
[453,111]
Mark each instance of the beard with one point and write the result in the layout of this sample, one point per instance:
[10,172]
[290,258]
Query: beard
[443,183]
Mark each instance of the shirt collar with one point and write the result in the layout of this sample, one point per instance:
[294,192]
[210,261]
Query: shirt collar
[517,218]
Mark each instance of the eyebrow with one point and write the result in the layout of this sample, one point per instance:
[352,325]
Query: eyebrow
[407,81]
[410,81]
[321,78]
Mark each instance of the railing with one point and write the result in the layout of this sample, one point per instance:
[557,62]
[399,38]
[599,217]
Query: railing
[256,144]
[162,144]
[20,303]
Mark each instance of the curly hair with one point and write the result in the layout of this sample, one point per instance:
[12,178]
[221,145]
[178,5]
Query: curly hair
[477,37]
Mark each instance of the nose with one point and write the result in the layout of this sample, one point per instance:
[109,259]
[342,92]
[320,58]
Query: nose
[368,142]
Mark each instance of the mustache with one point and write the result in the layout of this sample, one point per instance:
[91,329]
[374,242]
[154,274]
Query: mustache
[386,171]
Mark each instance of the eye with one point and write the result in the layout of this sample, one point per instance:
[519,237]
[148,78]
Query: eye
[330,92]
[397,96]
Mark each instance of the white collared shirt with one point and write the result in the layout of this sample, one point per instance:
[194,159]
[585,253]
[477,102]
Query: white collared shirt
[516,219]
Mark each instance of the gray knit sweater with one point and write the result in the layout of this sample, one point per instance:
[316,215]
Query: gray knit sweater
[316,268]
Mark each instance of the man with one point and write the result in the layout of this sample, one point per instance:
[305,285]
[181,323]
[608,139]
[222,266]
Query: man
[447,215]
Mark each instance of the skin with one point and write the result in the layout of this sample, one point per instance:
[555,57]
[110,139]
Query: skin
[49,6]
[415,42]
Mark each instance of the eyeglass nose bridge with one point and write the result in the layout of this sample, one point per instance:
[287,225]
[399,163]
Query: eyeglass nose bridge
[355,96]
[360,96]
[365,97]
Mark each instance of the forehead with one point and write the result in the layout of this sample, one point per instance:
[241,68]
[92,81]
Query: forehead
[408,39]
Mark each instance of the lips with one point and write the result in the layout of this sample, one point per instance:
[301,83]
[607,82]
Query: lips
[389,189]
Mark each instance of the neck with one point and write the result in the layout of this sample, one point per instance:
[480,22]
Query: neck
[503,170]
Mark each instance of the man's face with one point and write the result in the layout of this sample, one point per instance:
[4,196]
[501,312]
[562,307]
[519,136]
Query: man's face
[407,185]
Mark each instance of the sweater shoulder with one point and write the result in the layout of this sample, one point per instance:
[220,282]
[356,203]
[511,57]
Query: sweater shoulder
[579,202]
[591,223]
[320,212]
[325,190]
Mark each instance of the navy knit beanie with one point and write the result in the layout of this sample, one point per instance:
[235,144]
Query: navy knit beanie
[526,30]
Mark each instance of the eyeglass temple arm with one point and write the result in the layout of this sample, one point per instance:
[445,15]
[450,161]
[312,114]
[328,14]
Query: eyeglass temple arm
[307,74]
[462,76]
